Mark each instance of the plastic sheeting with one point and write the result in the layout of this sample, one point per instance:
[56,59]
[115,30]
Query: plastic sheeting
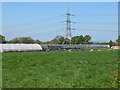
[19,47]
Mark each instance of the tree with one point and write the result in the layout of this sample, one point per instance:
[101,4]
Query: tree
[58,40]
[2,39]
[48,42]
[38,41]
[110,43]
[74,40]
[22,40]
[15,40]
[87,38]
[66,41]
[77,40]
[81,40]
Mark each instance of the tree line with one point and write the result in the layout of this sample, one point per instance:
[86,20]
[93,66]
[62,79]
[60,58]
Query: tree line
[74,40]
[59,40]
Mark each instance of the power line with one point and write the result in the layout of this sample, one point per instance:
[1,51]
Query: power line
[85,29]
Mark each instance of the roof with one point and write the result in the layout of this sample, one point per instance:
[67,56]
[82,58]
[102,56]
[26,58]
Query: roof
[19,47]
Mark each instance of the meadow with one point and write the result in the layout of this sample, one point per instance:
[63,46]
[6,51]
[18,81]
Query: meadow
[60,69]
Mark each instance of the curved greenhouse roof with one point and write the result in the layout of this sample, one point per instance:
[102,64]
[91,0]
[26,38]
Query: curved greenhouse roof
[19,47]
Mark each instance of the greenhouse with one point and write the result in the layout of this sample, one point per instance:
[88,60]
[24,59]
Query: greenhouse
[19,47]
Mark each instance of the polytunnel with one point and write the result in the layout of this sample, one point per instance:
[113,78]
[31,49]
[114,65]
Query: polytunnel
[19,47]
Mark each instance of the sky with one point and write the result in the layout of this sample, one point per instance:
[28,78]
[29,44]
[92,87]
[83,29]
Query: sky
[45,20]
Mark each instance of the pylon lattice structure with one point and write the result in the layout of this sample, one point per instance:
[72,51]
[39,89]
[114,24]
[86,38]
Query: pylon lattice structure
[68,33]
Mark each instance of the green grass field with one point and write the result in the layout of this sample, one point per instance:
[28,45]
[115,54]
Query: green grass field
[60,69]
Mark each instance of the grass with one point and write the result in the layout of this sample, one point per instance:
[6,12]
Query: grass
[59,69]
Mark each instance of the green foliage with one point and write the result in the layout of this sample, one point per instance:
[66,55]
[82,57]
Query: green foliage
[57,40]
[38,41]
[59,69]
[111,43]
[81,39]
[75,40]
[48,42]
[87,38]
[78,40]
[66,41]
[2,39]
[24,40]
[60,40]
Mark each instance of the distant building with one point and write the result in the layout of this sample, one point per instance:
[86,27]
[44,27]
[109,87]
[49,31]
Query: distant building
[115,47]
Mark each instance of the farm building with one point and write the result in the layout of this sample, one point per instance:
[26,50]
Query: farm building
[19,47]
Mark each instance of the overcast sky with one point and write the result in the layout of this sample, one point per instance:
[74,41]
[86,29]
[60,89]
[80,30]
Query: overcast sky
[44,21]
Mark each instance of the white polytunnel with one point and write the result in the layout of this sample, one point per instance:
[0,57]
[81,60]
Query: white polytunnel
[19,47]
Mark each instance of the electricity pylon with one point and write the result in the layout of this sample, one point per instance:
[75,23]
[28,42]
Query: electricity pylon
[68,33]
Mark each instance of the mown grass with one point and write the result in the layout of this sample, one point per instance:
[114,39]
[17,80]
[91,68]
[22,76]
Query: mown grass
[59,69]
